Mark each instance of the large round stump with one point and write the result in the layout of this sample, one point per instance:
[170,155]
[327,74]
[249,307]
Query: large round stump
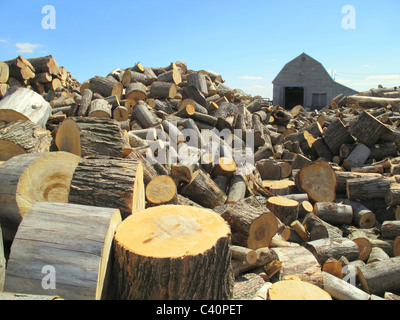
[173,252]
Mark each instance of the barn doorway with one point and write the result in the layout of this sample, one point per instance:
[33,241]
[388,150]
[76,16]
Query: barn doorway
[293,97]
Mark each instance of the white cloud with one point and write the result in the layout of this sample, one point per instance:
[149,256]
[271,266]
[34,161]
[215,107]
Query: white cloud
[3,41]
[250,78]
[26,47]
[366,66]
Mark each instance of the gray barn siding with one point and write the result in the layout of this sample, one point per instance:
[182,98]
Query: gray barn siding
[306,72]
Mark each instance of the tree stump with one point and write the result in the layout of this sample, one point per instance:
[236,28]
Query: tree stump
[74,241]
[172,253]
[29,178]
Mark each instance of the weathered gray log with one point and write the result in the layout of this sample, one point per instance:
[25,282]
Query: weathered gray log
[342,290]
[390,229]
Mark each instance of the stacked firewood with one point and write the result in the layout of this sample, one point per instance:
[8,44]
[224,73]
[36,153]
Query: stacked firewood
[310,198]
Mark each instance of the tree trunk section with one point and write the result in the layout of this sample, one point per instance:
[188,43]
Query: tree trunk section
[106,182]
[252,226]
[29,178]
[173,253]
[52,235]
[22,137]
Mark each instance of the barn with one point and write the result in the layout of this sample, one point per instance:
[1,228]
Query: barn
[304,81]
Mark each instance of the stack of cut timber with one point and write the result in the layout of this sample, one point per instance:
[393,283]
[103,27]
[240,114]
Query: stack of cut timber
[298,193]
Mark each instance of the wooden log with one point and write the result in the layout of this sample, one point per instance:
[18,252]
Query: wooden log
[45,64]
[100,108]
[22,137]
[357,157]
[342,290]
[265,256]
[336,135]
[136,91]
[120,114]
[300,230]
[396,247]
[280,187]
[247,286]
[144,116]
[362,216]
[318,180]
[334,213]
[286,210]
[244,254]
[252,226]
[24,104]
[29,178]
[198,80]
[299,262]
[390,229]
[51,236]
[187,238]
[237,190]
[363,242]
[203,190]
[383,150]
[323,249]
[106,87]
[161,191]
[107,182]
[392,197]
[367,129]
[333,267]
[4,72]
[226,114]
[343,176]
[377,254]
[380,277]
[373,102]
[162,90]
[31,297]
[296,290]
[367,188]
[173,76]
[90,136]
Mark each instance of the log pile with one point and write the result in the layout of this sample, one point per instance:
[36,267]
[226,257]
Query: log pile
[277,204]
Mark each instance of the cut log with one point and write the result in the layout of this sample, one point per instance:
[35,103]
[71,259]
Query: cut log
[323,249]
[136,91]
[367,188]
[106,87]
[144,116]
[22,137]
[380,277]
[50,240]
[334,213]
[226,114]
[368,130]
[392,197]
[357,157]
[320,229]
[286,210]
[159,255]
[204,191]
[87,95]
[318,180]
[396,247]
[362,216]
[364,244]
[280,187]
[343,176]
[390,229]
[99,108]
[244,254]
[184,170]
[296,290]
[24,104]
[107,182]
[377,254]
[265,256]
[373,102]
[252,226]
[247,286]
[45,64]
[163,90]
[29,178]
[237,190]
[161,191]
[198,80]
[4,72]
[342,290]
[336,135]
[90,136]
[299,262]
[173,76]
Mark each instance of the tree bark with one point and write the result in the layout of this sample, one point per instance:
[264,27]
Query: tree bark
[52,235]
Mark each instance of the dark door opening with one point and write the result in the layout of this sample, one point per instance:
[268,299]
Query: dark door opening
[293,97]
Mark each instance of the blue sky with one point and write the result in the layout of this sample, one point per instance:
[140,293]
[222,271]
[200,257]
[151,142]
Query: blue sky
[247,42]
